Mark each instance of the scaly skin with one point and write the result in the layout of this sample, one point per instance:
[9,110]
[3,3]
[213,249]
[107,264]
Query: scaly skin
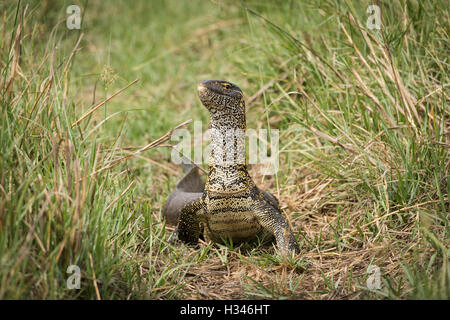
[231,206]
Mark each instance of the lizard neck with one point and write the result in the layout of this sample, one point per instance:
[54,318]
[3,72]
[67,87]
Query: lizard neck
[227,138]
[227,164]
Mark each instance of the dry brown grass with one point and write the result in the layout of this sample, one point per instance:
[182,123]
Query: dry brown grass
[310,205]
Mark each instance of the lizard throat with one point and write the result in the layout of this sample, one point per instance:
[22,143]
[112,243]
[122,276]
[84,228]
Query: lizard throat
[227,147]
[227,155]
[227,140]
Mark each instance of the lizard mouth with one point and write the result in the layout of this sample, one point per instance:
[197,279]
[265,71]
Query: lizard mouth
[205,91]
[201,88]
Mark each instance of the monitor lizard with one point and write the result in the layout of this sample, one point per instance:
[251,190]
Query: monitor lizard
[229,206]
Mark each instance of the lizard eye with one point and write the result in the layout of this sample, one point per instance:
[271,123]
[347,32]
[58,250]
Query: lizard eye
[226,85]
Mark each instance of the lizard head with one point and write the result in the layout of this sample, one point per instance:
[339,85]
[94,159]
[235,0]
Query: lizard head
[220,95]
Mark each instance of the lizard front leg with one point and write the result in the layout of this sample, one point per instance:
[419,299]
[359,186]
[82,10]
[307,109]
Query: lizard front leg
[272,221]
[188,229]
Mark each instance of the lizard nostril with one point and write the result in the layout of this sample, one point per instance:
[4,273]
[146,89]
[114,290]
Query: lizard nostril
[201,87]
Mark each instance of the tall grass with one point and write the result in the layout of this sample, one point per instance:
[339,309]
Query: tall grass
[368,109]
[59,206]
[364,160]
